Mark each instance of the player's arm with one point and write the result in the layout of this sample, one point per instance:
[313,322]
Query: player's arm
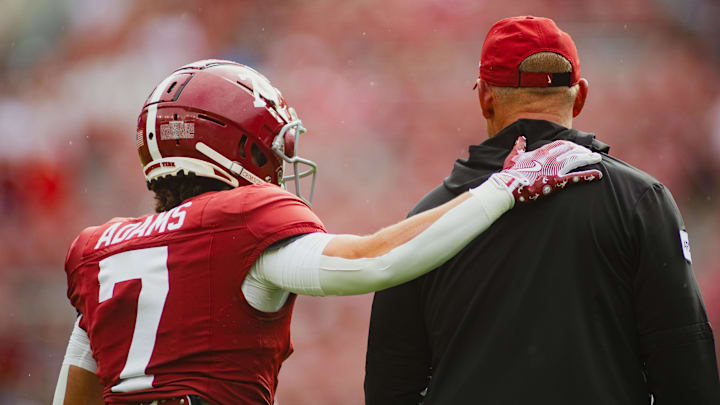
[77,383]
[323,264]
[676,340]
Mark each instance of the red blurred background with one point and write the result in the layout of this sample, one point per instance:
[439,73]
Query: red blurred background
[384,87]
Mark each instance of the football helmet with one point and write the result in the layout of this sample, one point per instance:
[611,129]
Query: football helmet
[223,120]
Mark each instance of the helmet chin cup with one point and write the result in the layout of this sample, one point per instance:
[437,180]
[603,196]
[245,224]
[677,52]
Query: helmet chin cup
[295,128]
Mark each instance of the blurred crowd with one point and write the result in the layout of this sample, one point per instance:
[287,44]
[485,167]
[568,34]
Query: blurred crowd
[384,87]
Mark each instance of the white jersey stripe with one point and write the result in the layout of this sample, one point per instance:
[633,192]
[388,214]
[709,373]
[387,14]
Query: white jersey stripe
[150,133]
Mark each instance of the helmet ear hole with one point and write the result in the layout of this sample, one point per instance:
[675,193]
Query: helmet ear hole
[258,157]
[241,146]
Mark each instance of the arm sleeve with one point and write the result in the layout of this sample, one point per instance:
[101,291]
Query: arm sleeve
[676,340]
[78,351]
[300,267]
[398,362]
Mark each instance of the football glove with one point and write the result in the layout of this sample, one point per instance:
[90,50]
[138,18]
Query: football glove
[535,174]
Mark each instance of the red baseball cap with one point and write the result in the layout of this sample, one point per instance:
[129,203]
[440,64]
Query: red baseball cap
[511,40]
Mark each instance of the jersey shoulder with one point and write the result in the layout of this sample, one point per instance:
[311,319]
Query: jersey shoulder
[77,249]
[262,208]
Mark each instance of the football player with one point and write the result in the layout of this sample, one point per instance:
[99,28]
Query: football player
[192,304]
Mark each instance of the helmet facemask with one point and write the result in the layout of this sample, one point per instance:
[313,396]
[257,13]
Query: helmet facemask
[289,137]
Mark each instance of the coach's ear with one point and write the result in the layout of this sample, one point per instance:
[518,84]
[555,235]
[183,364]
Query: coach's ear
[581,97]
[487,99]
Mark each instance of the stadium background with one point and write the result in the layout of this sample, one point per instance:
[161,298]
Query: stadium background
[384,87]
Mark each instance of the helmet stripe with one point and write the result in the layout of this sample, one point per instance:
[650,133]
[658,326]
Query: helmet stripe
[150,128]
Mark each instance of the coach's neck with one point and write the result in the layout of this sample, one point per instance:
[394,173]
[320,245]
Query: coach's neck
[501,106]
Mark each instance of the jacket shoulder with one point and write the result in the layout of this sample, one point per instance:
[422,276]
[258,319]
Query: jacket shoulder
[623,173]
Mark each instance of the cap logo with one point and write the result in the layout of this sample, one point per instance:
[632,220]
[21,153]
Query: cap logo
[543,79]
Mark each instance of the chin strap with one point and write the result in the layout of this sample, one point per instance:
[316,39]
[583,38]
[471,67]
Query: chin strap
[233,166]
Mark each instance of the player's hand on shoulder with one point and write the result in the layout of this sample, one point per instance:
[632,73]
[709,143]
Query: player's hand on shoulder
[538,173]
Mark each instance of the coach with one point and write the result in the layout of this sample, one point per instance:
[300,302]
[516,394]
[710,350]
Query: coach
[595,303]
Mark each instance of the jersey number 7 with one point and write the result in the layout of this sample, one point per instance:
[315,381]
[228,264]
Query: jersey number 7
[150,266]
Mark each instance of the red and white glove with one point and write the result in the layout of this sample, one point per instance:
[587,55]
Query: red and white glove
[531,175]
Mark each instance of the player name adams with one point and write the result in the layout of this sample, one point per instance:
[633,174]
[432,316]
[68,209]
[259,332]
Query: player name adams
[153,224]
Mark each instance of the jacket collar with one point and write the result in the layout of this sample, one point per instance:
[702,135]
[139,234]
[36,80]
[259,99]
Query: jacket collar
[488,157]
[538,133]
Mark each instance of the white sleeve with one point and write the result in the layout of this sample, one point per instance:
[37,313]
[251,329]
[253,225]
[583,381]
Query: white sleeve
[294,267]
[78,354]
[300,266]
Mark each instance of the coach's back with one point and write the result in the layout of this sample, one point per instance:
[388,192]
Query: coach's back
[588,299]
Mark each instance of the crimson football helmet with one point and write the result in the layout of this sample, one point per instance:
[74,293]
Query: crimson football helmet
[222,120]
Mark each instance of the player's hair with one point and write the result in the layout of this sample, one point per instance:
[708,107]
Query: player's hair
[547,62]
[171,191]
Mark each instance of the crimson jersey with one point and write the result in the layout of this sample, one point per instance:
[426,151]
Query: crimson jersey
[161,300]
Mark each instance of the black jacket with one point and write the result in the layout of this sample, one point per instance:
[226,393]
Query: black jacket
[586,297]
